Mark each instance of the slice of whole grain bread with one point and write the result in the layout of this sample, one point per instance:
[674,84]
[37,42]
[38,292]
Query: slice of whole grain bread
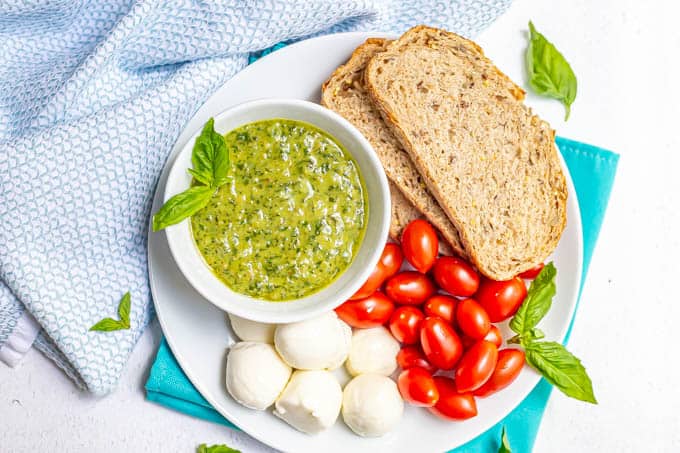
[344,92]
[491,164]
[403,212]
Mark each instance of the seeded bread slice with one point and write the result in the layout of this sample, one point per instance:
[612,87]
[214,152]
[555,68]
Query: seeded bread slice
[491,164]
[403,212]
[344,92]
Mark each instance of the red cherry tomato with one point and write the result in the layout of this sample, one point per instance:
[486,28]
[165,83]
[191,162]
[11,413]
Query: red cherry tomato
[452,405]
[391,259]
[476,366]
[494,336]
[412,356]
[501,299]
[530,274]
[372,311]
[508,367]
[471,319]
[455,276]
[405,324]
[417,387]
[420,244]
[442,306]
[389,264]
[411,288]
[440,343]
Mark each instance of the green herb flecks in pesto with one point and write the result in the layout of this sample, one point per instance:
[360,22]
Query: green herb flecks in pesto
[291,219]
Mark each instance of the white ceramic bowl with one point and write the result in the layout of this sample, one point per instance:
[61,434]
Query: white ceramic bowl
[198,273]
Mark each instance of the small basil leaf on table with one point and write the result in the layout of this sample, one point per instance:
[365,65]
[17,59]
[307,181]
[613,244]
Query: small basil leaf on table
[560,368]
[538,301]
[549,72]
[109,324]
[124,310]
[181,206]
[505,444]
[203,448]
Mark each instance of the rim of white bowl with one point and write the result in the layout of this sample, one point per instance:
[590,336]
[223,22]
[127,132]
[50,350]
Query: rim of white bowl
[199,274]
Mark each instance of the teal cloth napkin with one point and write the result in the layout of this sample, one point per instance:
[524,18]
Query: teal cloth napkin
[592,170]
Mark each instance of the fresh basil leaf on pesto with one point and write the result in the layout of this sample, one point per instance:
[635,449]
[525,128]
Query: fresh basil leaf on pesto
[210,160]
[549,72]
[181,206]
[291,217]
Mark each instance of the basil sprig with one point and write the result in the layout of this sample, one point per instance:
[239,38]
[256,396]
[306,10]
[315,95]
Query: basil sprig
[110,324]
[557,365]
[203,448]
[549,72]
[505,444]
[210,161]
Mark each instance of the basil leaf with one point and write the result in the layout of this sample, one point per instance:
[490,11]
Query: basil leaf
[505,444]
[210,160]
[536,334]
[549,72]
[561,368]
[200,177]
[203,448]
[181,206]
[210,157]
[538,301]
[108,324]
[124,310]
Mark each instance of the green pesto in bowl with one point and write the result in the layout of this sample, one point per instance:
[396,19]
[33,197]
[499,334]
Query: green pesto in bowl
[292,217]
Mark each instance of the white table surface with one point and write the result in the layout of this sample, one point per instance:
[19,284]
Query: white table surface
[625,54]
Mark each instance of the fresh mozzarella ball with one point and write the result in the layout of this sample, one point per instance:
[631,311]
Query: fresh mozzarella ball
[248,330]
[311,401]
[371,405]
[256,375]
[373,351]
[315,344]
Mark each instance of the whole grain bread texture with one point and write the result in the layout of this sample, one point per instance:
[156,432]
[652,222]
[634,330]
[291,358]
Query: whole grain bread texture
[345,93]
[491,164]
[403,213]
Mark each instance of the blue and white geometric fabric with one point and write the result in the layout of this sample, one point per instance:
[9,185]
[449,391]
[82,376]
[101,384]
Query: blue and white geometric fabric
[93,95]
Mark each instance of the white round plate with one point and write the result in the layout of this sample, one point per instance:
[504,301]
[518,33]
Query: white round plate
[198,334]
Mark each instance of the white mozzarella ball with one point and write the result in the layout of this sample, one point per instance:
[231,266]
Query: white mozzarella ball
[373,351]
[311,401]
[371,405]
[248,330]
[256,375]
[319,343]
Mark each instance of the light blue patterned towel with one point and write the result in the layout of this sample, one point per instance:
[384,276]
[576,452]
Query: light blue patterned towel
[92,97]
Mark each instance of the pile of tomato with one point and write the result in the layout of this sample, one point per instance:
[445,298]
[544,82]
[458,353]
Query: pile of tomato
[442,313]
